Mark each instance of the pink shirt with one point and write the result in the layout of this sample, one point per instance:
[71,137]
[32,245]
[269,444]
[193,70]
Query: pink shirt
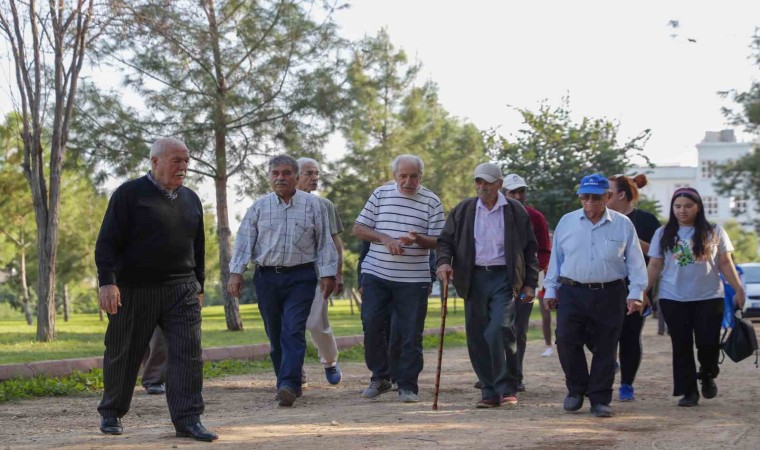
[489,233]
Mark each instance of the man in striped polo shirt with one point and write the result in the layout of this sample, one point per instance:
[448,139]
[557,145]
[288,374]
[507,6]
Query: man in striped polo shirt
[403,221]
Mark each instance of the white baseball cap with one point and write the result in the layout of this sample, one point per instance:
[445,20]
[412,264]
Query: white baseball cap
[514,181]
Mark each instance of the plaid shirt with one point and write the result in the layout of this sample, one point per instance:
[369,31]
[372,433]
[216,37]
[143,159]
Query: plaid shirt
[275,233]
[171,195]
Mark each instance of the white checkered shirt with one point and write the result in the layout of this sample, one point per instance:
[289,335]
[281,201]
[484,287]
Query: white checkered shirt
[275,233]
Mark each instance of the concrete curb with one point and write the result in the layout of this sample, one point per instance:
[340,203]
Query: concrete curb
[64,367]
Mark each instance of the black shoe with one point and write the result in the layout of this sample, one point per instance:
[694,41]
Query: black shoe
[286,396]
[520,387]
[111,425]
[689,400]
[155,389]
[709,389]
[195,431]
[601,410]
[573,402]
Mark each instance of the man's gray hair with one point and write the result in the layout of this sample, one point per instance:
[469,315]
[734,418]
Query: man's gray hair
[283,159]
[163,143]
[303,161]
[410,158]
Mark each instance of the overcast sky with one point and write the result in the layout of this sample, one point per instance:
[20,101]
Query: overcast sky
[615,59]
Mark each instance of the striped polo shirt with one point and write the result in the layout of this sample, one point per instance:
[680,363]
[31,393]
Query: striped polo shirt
[390,212]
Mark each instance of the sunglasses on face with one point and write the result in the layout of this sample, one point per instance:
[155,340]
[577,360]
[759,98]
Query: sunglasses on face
[591,197]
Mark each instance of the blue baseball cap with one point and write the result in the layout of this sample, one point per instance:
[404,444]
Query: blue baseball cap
[594,184]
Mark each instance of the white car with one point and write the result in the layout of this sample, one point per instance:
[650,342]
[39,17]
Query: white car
[752,289]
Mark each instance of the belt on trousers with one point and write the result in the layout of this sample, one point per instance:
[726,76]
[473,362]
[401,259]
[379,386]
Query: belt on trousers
[286,269]
[491,268]
[593,286]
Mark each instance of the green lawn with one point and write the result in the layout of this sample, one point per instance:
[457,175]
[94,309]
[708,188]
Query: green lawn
[83,335]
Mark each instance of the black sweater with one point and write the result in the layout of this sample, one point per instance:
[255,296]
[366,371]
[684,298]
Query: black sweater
[148,240]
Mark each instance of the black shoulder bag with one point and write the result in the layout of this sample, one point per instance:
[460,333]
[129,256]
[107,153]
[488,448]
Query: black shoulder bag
[741,343]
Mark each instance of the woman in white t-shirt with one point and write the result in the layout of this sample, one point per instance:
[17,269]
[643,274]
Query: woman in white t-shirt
[688,255]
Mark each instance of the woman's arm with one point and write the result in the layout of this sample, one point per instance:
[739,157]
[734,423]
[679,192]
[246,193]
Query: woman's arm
[654,270]
[727,268]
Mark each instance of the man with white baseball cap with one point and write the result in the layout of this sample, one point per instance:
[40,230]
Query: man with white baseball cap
[515,187]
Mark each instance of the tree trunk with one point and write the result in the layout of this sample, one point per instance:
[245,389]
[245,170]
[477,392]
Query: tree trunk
[65,303]
[46,285]
[24,283]
[231,305]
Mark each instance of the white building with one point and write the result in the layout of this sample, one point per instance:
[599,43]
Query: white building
[718,147]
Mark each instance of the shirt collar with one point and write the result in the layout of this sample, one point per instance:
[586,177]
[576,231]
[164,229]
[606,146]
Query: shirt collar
[171,195]
[500,201]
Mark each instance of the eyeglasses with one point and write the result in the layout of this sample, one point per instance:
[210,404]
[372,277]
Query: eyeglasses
[591,197]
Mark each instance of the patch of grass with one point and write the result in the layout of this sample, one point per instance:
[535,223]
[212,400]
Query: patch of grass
[82,336]
[92,382]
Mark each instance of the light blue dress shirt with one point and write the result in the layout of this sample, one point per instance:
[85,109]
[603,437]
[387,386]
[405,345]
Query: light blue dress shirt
[596,253]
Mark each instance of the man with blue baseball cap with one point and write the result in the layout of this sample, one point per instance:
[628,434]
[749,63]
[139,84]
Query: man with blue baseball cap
[594,251]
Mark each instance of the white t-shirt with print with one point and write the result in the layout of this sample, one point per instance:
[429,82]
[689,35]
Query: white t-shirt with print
[685,278]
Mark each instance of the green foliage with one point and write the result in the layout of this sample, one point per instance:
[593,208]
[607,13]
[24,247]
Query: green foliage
[553,152]
[748,101]
[42,386]
[745,242]
[652,206]
[741,178]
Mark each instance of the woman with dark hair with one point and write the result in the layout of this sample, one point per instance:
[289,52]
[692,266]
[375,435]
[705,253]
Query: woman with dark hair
[625,194]
[688,255]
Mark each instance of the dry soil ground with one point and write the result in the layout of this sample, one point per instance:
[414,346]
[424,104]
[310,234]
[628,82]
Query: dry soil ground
[241,409]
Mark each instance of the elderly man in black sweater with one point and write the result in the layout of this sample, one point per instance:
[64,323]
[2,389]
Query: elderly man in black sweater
[150,259]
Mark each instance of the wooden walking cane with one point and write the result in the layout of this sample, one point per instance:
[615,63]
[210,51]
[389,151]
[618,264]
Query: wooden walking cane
[444,298]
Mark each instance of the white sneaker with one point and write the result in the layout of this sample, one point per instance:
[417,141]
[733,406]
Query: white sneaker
[548,352]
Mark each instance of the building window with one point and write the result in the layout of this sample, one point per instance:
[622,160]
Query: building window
[738,204]
[679,186]
[711,205]
[708,168]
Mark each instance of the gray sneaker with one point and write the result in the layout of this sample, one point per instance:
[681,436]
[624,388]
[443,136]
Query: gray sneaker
[407,396]
[376,388]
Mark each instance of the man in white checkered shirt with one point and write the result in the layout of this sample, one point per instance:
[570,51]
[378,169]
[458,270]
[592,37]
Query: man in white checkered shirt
[286,234]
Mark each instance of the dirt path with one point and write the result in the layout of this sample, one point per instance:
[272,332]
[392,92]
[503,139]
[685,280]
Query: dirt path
[241,409]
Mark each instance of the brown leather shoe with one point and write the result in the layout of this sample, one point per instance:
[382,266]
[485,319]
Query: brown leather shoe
[493,402]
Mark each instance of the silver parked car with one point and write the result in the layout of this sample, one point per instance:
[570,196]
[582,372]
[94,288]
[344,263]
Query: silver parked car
[752,289]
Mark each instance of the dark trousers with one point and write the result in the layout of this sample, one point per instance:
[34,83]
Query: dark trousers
[630,347]
[690,323]
[404,305]
[520,333]
[596,316]
[155,360]
[285,302]
[177,311]
[394,349]
[489,313]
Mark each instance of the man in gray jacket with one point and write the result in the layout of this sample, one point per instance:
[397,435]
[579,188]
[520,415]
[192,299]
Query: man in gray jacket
[489,250]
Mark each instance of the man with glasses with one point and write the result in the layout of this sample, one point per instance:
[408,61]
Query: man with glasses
[594,251]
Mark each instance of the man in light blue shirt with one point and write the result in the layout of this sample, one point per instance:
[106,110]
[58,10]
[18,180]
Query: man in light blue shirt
[596,275]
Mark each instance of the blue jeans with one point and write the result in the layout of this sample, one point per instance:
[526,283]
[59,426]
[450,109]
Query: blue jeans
[285,302]
[404,304]
[489,313]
